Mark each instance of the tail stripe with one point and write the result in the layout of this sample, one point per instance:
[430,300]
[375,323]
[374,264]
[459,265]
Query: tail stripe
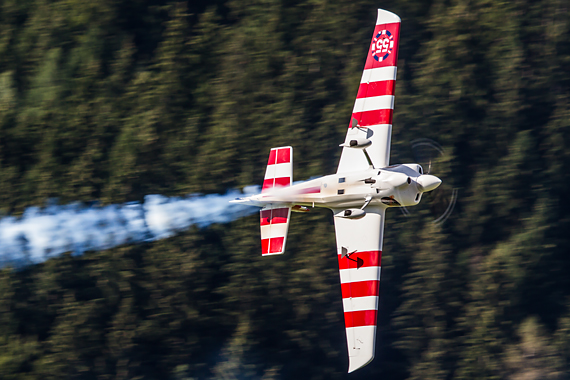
[272,155]
[279,156]
[284,156]
[274,216]
[272,245]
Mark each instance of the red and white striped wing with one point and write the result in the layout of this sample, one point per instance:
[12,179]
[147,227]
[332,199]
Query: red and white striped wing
[360,281]
[374,103]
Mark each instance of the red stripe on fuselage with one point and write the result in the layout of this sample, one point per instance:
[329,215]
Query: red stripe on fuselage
[360,289]
[360,318]
[310,190]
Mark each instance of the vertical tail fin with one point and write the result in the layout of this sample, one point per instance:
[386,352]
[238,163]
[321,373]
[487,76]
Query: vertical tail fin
[279,170]
[274,218]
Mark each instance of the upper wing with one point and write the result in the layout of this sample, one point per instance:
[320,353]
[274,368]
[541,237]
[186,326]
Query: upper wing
[360,279]
[372,113]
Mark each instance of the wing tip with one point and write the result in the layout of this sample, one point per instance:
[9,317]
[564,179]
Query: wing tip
[387,17]
[356,362]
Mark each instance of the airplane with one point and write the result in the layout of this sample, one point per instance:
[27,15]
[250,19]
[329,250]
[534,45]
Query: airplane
[364,186]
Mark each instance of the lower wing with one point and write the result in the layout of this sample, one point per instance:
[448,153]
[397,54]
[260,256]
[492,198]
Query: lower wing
[359,245]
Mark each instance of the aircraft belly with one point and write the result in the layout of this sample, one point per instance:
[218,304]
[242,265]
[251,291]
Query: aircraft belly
[356,201]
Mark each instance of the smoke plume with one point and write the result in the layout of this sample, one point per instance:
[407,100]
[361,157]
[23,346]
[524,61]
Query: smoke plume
[41,233]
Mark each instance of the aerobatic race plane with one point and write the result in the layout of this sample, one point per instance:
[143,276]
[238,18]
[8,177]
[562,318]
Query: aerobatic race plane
[364,186]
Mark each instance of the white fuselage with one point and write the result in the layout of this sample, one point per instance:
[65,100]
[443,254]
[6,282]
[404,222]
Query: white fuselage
[393,186]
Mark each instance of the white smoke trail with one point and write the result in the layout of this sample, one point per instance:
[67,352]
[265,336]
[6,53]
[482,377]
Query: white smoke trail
[41,233]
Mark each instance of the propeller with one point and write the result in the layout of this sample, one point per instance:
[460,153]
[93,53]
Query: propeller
[431,155]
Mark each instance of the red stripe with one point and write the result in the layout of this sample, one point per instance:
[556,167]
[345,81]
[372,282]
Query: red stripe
[284,156]
[360,289]
[272,245]
[264,246]
[274,216]
[279,215]
[373,117]
[267,184]
[265,217]
[367,90]
[394,29]
[272,156]
[360,318]
[275,182]
[310,190]
[369,258]
[282,181]
[276,244]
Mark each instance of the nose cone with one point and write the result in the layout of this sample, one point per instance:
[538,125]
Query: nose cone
[428,182]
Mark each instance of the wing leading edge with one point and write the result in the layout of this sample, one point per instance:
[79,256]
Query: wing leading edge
[374,105]
[359,266]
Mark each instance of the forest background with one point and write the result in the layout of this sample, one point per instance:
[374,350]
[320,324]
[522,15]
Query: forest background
[112,100]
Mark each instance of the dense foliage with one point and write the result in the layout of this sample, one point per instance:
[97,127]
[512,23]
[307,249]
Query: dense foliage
[112,100]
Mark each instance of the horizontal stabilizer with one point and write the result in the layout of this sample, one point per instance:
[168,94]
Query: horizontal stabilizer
[274,223]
